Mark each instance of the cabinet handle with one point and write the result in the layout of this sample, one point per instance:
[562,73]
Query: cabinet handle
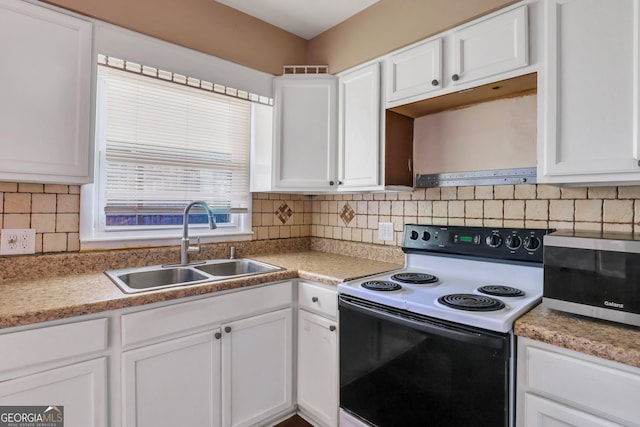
[434,82]
[218,335]
[332,328]
[227,329]
[455,77]
[331,183]
[314,299]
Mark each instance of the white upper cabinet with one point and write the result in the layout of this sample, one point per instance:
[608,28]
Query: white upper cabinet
[416,70]
[305,138]
[45,82]
[490,47]
[359,129]
[588,93]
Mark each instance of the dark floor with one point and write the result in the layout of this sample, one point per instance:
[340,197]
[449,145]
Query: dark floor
[295,421]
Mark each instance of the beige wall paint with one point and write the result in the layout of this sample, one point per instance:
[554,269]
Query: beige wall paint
[391,24]
[493,135]
[203,25]
[213,28]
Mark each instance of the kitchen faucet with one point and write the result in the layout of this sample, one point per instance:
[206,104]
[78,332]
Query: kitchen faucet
[185,249]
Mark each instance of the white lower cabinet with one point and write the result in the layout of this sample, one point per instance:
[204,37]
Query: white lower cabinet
[256,368]
[173,383]
[318,354]
[62,365]
[80,389]
[219,361]
[559,387]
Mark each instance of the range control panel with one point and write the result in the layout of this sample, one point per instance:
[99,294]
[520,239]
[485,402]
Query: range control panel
[509,244]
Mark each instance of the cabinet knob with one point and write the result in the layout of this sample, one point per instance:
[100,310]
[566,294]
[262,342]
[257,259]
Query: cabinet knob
[227,329]
[340,183]
[314,299]
[455,77]
[331,183]
[218,335]
[434,82]
[332,328]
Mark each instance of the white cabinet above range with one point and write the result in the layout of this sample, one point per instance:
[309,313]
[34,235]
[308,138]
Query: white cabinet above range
[492,48]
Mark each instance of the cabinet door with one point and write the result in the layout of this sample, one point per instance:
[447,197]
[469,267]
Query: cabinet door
[46,92]
[305,114]
[414,72]
[318,368]
[588,92]
[490,47]
[80,388]
[174,383]
[541,412]
[256,368]
[359,127]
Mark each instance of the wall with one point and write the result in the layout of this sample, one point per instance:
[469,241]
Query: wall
[53,210]
[499,134]
[203,25]
[389,25]
[355,217]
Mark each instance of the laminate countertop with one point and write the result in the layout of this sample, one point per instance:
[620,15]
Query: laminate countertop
[24,302]
[607,340]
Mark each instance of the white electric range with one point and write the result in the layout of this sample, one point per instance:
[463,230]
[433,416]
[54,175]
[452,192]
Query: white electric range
[434,339]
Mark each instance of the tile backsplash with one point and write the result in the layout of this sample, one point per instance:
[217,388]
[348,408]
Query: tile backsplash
[54,211]
[355,217]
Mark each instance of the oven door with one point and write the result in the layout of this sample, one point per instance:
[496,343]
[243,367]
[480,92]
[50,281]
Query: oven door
[399,368]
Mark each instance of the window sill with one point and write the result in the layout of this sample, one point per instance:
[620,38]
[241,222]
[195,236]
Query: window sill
[145,241]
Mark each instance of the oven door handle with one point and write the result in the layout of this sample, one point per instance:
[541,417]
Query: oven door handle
[461,335]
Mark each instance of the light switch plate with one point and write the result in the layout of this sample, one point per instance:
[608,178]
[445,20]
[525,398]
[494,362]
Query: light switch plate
[17,241]
[385,231]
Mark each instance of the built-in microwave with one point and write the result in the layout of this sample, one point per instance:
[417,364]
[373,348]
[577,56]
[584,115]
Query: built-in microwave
[593,274]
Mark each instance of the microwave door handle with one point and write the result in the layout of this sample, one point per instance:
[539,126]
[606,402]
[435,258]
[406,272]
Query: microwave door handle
[467,337]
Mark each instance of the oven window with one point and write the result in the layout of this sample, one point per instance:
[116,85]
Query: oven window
[393,372]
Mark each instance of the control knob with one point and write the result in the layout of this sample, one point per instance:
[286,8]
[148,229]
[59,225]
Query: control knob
[513,242]
[414,235]
[426,236]
[531,243]
[494,240]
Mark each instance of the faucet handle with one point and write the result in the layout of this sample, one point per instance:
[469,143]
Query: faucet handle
[194,249]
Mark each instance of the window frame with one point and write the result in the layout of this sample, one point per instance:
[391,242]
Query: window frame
[93,232]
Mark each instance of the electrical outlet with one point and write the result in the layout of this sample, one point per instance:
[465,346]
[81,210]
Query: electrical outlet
[385,231]
[17,241]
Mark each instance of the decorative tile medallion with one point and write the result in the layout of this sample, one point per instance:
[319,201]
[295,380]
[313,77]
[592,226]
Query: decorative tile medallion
[284,212]
[347,213]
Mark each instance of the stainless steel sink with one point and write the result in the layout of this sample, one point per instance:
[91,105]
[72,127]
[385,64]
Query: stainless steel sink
[235,267]
[141,279]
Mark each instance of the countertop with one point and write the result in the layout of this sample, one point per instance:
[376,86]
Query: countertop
[31,301]
[607,340]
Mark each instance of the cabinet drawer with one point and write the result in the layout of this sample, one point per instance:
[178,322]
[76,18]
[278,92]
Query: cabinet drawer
[41,345]
[158,322]
[582,383]
[318,299]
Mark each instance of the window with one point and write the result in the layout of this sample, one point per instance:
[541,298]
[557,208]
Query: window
[162,144]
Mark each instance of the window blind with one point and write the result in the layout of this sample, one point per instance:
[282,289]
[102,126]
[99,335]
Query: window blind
[167,144]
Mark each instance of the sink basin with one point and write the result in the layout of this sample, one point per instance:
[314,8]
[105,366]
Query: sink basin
[160,277]
[236,267]
[132,280]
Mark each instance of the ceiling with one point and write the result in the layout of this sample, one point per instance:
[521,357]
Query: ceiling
[305,18]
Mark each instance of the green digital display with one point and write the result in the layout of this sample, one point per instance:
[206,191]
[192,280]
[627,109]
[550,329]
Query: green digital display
[466,239]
